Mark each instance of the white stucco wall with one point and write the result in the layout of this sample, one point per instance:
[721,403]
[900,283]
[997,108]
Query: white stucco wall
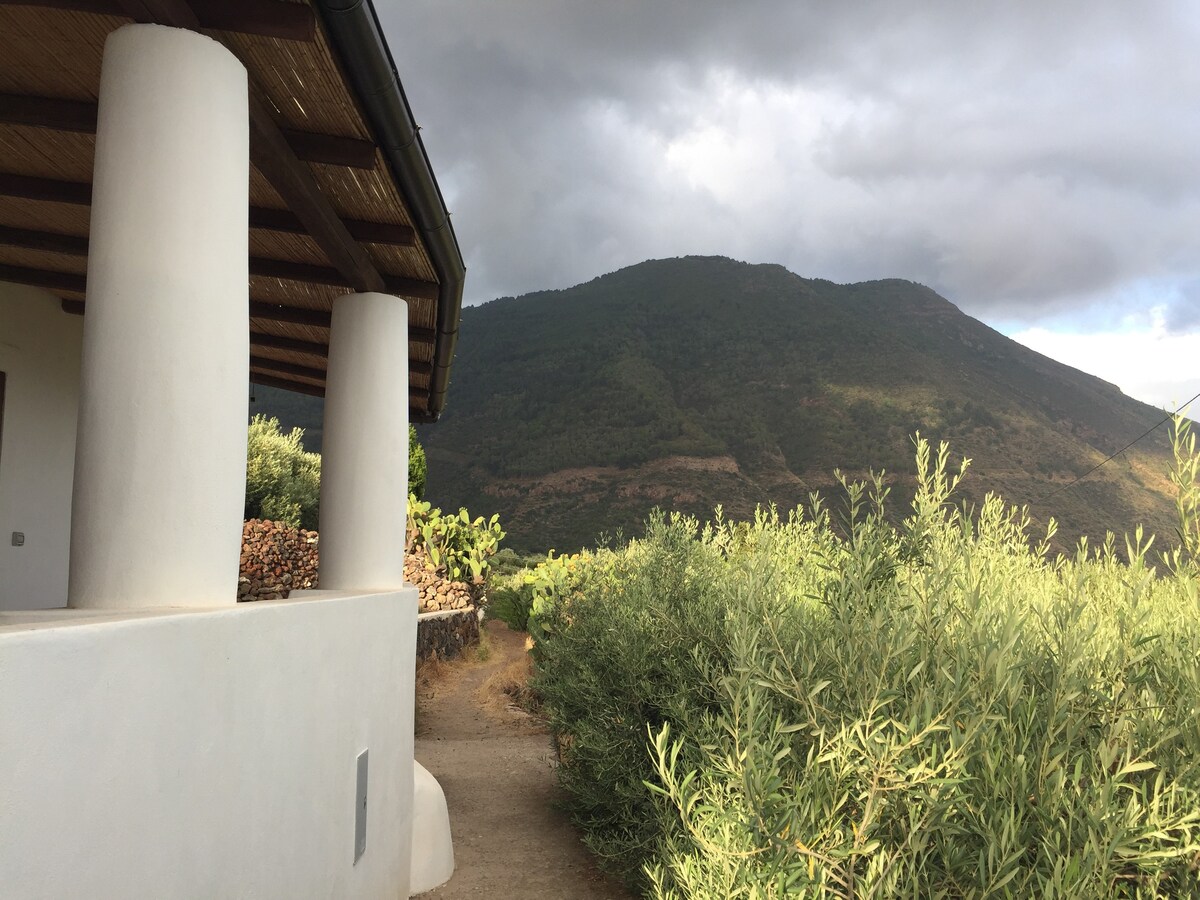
[178,753]
[39,353]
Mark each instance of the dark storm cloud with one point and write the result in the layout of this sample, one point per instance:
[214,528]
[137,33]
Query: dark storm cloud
[1021,158]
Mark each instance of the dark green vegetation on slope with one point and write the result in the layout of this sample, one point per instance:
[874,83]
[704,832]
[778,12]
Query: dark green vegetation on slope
[685,383]
[690,382]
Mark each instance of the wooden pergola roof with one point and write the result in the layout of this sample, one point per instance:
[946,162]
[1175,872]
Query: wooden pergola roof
[341,193]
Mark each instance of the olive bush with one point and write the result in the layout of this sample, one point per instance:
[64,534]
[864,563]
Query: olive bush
[934,708]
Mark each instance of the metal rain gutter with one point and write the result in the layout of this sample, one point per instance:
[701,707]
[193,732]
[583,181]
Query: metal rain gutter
[357,38]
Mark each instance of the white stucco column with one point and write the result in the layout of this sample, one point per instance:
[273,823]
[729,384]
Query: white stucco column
[160,458]
[364,459]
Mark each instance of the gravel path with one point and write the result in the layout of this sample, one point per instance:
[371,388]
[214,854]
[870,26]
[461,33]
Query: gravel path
[495,764]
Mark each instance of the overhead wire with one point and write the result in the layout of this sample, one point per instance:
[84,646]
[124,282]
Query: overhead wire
[1113,456]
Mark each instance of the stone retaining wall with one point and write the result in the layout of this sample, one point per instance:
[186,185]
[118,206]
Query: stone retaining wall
[443,635]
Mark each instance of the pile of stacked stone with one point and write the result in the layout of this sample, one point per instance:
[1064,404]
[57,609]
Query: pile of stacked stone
[437,592]
[276,559]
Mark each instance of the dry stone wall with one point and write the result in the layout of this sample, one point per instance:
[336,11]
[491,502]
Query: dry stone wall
[437,594]
[443,635]
[277,559]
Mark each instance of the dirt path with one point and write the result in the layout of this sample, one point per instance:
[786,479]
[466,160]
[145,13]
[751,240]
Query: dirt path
[495,765]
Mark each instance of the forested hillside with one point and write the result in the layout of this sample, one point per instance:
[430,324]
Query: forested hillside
[685,383]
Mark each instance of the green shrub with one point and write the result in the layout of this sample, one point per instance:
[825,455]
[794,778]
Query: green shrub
[768,709]
[1185,477]
[523,598]
[510,601]
[417,467]
[283,481]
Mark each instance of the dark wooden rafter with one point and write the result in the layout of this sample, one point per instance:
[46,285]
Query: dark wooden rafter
[53,281]
[264,341]
[292,345]
[293,315]
[292,271]
[50,190]
[331,149]
[368,232]
[264,18]
[48,112]
[76,283]
[313,390]
[316,390]
[51,242]
[74,245]
[318,318]
[79,193]
[286,368]
[80,117]
[294,182]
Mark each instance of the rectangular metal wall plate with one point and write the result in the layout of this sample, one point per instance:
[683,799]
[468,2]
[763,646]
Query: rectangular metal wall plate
[360,808]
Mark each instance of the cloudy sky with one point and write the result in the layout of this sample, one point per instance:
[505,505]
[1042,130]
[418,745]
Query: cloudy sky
[1037,163]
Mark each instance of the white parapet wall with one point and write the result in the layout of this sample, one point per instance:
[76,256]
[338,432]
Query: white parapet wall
[191,753]
[39,355]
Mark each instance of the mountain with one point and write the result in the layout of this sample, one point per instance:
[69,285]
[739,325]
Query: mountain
[684,383]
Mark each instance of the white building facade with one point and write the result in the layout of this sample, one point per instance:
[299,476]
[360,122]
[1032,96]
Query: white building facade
[157,738]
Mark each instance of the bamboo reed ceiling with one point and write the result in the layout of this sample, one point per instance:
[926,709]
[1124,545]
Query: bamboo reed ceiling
[304,114]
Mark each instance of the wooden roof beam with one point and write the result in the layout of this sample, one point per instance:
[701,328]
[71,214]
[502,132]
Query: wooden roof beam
[286,368]
[291,271]
[80,116]
[293,315]
[267,268]
[265,341]
[53,281]
[48,112]
[76,283]
[330,149]
[313,390]
[419,395]
[368,232]
[51,242]
[79,193]
[292,345]
[264,18]
[29,187]
[294,182]
[317,318]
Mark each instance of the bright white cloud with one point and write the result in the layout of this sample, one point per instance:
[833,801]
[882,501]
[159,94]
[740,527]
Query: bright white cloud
[1145,360]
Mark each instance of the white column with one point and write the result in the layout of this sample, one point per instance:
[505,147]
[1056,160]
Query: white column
[160,460]
[364,459]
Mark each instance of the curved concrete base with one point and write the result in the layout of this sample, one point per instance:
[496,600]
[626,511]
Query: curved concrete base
[432,850]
